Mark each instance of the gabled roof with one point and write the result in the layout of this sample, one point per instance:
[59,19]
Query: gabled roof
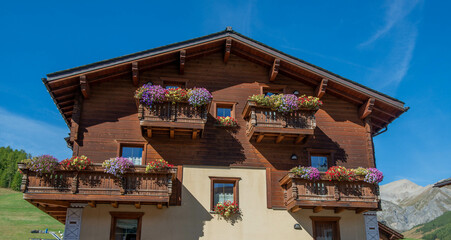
[443,183]
[389,232]
[62,84]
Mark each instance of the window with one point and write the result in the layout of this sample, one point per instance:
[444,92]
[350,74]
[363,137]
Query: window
[224,109]
[269,90]
[319,162]
[125,225]
[134,153]
[169,83]
[326,228]
[223,189]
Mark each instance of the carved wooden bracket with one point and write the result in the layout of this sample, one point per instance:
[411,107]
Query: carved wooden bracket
[135,73]
[84,86]
[274,69]
[321,89]
[75,121]
[182,61]
[228,47]
[366,109]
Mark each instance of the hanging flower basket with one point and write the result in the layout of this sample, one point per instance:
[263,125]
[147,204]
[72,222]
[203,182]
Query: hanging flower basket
[227,209]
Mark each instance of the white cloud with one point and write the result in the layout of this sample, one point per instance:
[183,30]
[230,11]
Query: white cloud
[33,136]
[396,11]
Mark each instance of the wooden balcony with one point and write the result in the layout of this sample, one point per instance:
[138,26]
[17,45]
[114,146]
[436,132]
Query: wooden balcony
[172,119]
[324,194]
[262,122]
[94,186]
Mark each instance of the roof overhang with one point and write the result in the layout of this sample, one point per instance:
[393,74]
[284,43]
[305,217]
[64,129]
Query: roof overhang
[62,85]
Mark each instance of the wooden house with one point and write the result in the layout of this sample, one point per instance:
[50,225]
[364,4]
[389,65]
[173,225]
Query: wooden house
[248,164]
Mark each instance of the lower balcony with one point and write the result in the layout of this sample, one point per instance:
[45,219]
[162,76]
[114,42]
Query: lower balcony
[172,119]
[325,194]
[53,194]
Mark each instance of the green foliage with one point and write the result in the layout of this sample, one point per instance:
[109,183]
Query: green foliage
[439,228]
[9,175]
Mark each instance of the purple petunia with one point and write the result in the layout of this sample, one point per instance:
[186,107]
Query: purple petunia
[373,176]
[117,166]
[199,97]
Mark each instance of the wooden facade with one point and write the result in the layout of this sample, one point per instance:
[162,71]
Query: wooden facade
[97,102]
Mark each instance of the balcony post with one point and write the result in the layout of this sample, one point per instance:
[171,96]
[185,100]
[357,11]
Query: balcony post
[24,184]
[253,117]
[336,191]
[74,187]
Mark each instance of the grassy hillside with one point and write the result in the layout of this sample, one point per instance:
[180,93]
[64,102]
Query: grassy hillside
[18,218]
[439,228]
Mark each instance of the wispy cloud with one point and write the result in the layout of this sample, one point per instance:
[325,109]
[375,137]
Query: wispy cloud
[397,10]
[401,32]
[33,136]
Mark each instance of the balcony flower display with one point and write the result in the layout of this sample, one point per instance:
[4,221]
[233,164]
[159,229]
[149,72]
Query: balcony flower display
[158,165]
[44,164]
[199,97]
[149,94]
[360,171]
[227,209]
[76,163]
[175,95]
[287,103]
[339,173]
[308,173]
[373,176]
[117,166]
[226,121]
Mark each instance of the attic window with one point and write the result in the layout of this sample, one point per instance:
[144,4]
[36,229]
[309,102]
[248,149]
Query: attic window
[269,90]
[169,83]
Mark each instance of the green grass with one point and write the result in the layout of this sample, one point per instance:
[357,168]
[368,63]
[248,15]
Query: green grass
[18,218]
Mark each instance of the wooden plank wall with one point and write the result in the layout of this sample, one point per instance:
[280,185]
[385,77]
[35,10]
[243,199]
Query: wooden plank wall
[110,116]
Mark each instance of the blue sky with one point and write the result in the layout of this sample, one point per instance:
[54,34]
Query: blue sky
[401,48]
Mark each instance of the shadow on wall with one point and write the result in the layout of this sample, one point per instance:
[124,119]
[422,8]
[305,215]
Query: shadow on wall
[304,221]
[186,222]
[218,146]
[279,155]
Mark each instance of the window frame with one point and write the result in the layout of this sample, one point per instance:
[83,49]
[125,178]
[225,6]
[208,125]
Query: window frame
[281,88]
[178,81]
[234,180]
[322,153]
[126,215]
[336,220]
[140,144]
[232,105]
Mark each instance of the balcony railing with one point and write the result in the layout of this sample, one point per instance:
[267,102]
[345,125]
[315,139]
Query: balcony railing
[263,122]
[300,193]
[96,185]
[173,119]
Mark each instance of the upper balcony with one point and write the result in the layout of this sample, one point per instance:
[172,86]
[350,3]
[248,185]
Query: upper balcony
[53,193]
[325,194]
[172,119]
[263,122]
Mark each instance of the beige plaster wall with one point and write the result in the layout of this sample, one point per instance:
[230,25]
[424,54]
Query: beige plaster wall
[193,219]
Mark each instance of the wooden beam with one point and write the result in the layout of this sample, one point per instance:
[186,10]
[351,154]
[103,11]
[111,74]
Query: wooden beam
[194,134]
[317,209]
[84,86]
[149,133]
[339,210]
[260,138]
[274,69]
[279,138]
[171,133]
[321,89]
[182,61]
[366,109]
[228,47]
[92,204]
[115,204]
[135,73]
[159,206]
[295,209]
[299,139]
[360,210]
[138,205]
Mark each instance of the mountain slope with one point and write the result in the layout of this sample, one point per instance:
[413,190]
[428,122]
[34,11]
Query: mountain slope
[439,228]
[405,204]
